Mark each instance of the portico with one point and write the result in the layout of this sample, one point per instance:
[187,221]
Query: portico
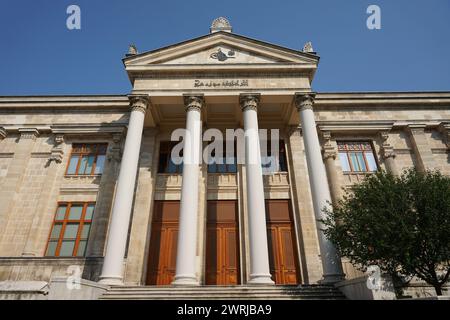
[220,81]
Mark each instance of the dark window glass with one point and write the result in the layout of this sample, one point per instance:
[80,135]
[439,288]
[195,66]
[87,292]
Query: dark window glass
[223,164]
[282,158]
[166,165]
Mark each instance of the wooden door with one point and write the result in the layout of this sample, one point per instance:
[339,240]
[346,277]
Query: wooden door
[222,244]
[281,241]
[163,243]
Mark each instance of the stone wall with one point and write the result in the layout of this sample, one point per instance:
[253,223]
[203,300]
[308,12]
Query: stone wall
[32,181]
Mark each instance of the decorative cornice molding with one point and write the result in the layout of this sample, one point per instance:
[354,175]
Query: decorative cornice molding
[139,102]
[304,101]
[360,126]
[80,129]
[249,101]
[387,150]
[416,128]
[193,102]
[28,133]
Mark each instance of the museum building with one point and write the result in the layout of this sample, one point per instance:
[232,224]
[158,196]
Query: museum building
[88,182]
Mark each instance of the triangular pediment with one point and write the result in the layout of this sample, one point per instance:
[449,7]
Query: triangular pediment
[221,48]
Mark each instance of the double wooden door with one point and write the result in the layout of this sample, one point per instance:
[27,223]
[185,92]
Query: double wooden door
[281,241]
[222,243]
[163,243]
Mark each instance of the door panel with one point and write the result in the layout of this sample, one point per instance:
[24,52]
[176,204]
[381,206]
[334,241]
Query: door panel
[163,243]
[212,258]
[283,259]
[222,244]
[274,262]
[231,256]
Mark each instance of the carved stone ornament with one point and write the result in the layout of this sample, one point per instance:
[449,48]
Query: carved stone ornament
[28,133]
[3,133]
[387,151]
[328,149]
[249,101]
[304,101]
[115,148]
[223,56]
[57,150]
[220,24]
[132,50]
[308,47]
[139,102]
[193,102]
[444,128]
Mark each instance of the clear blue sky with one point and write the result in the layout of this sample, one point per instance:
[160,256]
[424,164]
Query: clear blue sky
[39,55]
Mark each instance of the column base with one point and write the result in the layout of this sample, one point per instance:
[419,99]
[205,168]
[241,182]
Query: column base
[330,279]
[185,280]
[261,279]
[111,280]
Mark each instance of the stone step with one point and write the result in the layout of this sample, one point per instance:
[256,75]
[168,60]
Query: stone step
[222,292]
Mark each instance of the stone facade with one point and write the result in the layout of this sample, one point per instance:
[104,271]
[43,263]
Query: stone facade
[37,133]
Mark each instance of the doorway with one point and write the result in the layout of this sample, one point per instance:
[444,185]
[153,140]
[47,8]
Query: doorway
[283,258]
[163,243]
[222,243]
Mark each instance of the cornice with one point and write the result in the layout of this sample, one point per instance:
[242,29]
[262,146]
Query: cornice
[343,126]
[381,99]
[79,102]
[87,128]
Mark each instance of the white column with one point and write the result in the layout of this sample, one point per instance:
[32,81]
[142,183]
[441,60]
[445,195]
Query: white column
[187,235]
[112,272]
[259,252]
[331,263]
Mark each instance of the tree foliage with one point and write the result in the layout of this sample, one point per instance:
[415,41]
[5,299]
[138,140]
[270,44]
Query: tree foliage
[401,224]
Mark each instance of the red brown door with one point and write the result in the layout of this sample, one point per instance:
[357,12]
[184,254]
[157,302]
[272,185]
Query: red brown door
[222,244]
[281,240]
[163,243]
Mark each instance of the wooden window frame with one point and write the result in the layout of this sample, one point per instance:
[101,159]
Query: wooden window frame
[84,153]
[345,150]
[81,222]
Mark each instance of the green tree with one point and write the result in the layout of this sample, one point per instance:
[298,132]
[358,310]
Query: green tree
[401,224]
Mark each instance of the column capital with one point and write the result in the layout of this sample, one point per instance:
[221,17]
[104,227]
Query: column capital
[3,133]
[249,101]
[139,102]
[193,102]
[304,101]
[28,133]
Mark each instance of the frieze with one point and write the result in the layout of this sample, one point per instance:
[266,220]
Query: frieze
[221,84]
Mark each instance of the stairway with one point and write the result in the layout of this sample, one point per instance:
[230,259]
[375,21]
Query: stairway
[316,292]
